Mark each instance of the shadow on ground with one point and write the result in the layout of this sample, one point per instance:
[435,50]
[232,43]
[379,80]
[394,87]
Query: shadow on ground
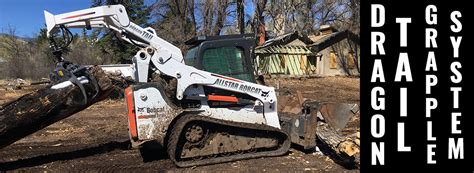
[69,155]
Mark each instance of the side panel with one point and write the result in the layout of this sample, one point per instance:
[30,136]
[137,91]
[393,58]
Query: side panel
[132,118]
[248,114]
[251,114]
[153,112]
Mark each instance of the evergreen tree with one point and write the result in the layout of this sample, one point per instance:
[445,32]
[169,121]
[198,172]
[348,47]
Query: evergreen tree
[122,52]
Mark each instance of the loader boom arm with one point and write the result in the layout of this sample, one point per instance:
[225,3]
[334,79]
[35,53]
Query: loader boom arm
[115,18]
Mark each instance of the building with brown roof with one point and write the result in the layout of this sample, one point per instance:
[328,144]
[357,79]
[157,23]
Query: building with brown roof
[329,53]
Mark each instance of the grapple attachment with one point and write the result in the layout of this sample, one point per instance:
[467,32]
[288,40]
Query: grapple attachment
[300,118]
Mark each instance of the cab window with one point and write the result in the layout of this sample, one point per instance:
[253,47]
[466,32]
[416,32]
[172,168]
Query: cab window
[226,61]
[190,55]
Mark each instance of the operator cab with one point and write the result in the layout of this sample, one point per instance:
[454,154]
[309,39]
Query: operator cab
[228,55]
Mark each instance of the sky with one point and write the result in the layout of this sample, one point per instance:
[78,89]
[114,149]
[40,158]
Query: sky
[27,16]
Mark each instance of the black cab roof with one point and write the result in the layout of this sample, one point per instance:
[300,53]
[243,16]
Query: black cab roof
[199,39]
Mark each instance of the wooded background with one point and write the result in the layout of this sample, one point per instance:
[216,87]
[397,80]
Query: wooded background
[176,21]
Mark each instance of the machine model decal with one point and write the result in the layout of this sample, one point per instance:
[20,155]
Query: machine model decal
[226,83]
[249,89]
[149,110]
[144,34]
[236,86]
[265,94]
[136,29]
[147,35]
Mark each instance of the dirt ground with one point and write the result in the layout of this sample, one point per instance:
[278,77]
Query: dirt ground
[96,139]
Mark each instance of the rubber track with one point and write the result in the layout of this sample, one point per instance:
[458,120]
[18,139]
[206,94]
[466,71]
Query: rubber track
[183,120]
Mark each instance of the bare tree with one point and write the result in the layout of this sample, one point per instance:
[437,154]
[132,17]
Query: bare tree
[207,16]
[222,13]
[354,6]
[214,14]
[259,20]
[334,12]
[175,20]
[179,20]
[288,16]
[308,16]
[240,16]
[277,14]
[14,53]
[191,7]
[23,59]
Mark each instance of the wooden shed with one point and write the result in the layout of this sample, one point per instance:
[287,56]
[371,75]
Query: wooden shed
[286,55]
[329,53]
[337,51]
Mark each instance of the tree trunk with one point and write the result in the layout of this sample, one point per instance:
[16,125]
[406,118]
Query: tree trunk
[32,112]
[240,14]
[221,16]
[343,150]
[260,21]
[193,18]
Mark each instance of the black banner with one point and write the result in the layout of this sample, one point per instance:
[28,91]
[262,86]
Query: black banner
[416,85]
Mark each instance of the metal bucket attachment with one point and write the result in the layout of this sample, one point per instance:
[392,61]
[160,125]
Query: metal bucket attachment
[299,117]
[337,115]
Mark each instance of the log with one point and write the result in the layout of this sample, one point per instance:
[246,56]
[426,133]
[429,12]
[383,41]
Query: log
[37,110]
[40,82]
[342,149]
